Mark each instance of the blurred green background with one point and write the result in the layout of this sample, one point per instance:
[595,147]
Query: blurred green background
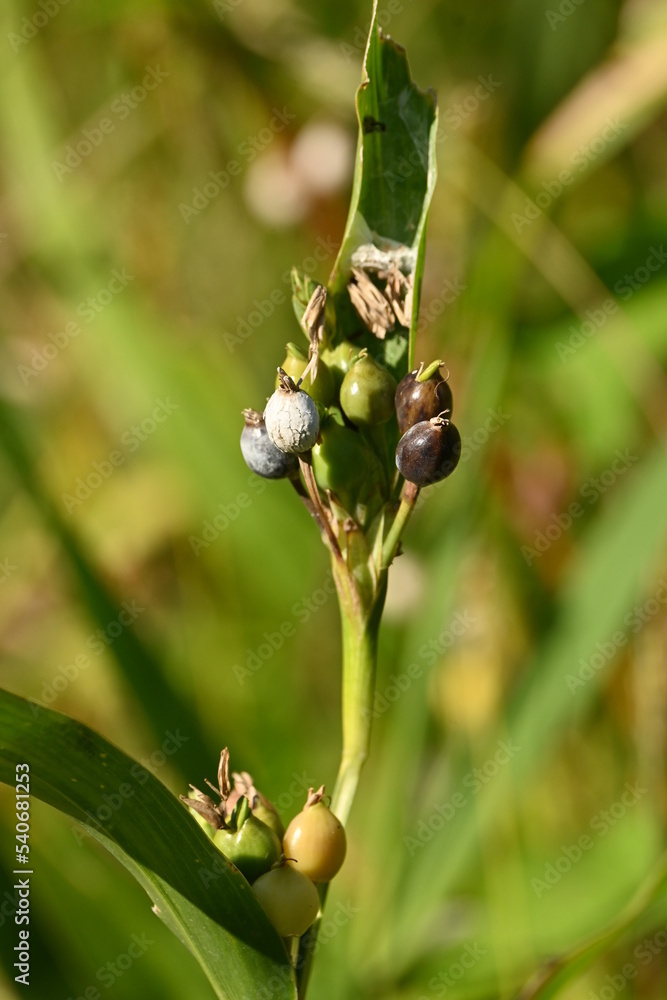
[163,165]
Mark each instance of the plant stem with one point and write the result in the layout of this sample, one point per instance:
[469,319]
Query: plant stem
[391,543]
[319,512]
[361,605]
[360,614]
[360,636]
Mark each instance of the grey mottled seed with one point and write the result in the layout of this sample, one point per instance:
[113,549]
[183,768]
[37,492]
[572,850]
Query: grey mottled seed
[292,421]
[259,451]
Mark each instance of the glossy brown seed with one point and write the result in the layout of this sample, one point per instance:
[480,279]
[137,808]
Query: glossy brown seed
[416,401]
[429,451]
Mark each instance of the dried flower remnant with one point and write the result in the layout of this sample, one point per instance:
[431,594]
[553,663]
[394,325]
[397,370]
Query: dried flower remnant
[312,322]
[398,292]
[372,307]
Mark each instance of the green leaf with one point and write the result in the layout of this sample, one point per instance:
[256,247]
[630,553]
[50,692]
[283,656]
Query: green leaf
[199,895]
[394,177]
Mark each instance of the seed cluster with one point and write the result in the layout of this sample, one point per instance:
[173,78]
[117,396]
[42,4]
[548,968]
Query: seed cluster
[339,426]
[282,866]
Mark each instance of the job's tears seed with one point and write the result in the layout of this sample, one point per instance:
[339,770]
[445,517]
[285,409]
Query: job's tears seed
[259,451]
[429,451]
[421,395]
[367,392]
[321,389]
[289,899]
[291,417]
[314,841]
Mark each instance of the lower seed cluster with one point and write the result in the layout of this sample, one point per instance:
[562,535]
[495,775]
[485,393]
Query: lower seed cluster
[283,866]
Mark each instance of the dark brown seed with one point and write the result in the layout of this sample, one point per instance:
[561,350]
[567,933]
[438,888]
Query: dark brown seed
[416,401]
[429,451]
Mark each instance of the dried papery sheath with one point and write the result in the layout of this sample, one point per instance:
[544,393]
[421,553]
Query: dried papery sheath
[398,292]
[371,305]
[384,254]
[312,322]
[205,807]
[291,417]
[202,804]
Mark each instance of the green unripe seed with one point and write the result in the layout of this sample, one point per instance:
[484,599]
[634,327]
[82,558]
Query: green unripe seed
[367,393]
[253,848]
[339,359]
[206,827]
[322,390]
[268,814]
[341,461]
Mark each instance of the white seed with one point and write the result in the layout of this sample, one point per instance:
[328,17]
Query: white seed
[292,421]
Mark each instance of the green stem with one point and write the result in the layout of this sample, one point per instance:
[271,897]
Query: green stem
[360,612]
[360,635]
[392,541]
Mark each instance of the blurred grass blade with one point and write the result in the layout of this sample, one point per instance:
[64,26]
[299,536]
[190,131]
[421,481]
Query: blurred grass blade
[616,100]
[549,981]
[199,896]
[163,706]
[396,165]
[627,533]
